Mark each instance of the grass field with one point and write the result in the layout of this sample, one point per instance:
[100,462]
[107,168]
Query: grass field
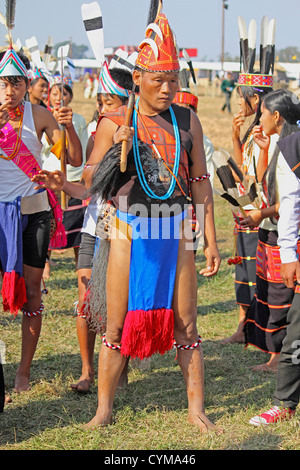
[151,413]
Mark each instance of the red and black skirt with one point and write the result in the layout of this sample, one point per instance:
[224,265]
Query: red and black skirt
[265,324]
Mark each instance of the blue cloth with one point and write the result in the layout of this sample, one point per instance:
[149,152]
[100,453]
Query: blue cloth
[12,225]
[153,263]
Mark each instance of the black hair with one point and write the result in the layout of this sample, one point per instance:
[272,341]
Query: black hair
[124,79]
[35,80]
[249,92]
[69,90]
[17,78]
[66,87]
[288,106]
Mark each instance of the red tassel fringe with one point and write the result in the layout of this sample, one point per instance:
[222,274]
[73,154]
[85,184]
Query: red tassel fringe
[59,238]
[13,292]
[147,332]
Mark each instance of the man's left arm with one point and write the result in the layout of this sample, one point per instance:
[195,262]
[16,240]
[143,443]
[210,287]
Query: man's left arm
[202,197]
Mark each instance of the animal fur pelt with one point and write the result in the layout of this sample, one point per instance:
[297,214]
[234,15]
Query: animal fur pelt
[107,173]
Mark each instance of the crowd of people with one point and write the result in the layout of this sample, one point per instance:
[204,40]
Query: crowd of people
[119,215]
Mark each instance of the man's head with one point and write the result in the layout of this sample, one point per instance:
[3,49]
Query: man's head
[157,90]
[13,77]
[157,67]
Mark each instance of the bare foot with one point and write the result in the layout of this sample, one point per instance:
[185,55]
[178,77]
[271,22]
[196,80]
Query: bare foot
[203,423]
[237,337]
[266,367]
[83,384]
[21,383]
[98,421]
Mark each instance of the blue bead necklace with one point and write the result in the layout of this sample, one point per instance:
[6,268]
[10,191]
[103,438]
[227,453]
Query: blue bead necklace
[138,162]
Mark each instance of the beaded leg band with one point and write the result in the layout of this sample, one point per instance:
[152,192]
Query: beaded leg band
[188,346]
[200,178]
[109,345]
[33,314]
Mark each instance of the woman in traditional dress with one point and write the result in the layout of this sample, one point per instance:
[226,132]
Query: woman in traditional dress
[74,214]
[246,154]
[265,323]
[25,212]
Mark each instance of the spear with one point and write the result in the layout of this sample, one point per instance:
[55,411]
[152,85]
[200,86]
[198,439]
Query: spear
[130,105]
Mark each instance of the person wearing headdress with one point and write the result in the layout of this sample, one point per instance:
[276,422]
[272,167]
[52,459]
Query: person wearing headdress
[74,213]
[151,276]
[115,85]
[266,320]
[25,211]
[184,97]
[38,88]
[287,392]
[251,89]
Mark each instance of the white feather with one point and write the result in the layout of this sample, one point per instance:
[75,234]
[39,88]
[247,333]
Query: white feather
[272,32]
[2,20]
[242,28]
[252,34]
[264,30]
[33,47]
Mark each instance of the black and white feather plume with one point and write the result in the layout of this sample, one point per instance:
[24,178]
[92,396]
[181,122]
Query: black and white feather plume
[252,45]
[227,171]
[93,24]
[270,48]
[243,34]
[10,17]
[48,51]
[248,45]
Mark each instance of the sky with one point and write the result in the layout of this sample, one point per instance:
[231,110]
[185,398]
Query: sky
[196,23]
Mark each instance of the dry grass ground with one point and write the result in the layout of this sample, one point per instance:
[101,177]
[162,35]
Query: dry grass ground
[151,413]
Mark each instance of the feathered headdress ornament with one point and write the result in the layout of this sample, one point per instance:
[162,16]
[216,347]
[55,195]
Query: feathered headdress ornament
[158,51]
[120,60]
[184,95]
[39,67]
[248,77]
[11,64]
[226,169]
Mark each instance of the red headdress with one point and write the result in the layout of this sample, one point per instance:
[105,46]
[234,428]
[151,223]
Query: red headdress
[186,97]
[158,51]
